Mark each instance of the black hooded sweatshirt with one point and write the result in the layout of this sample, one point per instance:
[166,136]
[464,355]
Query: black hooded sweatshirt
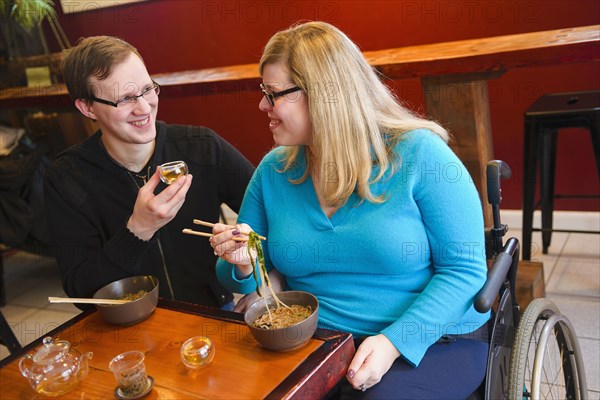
[89,199]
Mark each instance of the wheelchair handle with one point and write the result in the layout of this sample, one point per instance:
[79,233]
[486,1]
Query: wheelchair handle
[496,170]
[497,276]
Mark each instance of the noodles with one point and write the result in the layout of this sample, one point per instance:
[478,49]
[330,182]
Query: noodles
[133,296]
[282,317]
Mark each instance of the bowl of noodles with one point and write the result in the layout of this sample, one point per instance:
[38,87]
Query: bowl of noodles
[142,293]
[288,323]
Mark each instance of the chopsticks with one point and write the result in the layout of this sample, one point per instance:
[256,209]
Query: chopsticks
[210,225]
[85,300]
[192,232]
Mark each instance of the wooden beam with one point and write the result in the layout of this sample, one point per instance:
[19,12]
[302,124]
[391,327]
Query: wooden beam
[497,53]
[463,109]
[558,46]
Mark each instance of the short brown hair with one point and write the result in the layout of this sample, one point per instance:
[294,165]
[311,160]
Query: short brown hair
[94,56]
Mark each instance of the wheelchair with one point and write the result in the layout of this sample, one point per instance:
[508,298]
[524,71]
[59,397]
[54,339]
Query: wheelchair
[531,356]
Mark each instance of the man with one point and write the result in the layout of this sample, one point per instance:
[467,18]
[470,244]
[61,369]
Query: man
[110,215]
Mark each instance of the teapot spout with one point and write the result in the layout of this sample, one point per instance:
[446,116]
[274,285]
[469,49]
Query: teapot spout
[82,369]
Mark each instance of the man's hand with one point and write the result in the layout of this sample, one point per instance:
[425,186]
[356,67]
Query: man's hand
[150,212]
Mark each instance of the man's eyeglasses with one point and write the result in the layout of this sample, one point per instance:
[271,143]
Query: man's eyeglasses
[271,96]
[149,93]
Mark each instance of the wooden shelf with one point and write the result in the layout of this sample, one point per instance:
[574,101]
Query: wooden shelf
[458,58]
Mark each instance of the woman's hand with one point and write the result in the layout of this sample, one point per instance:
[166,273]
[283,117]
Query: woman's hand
[242,305]
[232,251]
[372,360]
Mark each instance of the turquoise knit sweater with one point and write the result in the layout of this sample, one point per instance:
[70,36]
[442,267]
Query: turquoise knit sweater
[408,268]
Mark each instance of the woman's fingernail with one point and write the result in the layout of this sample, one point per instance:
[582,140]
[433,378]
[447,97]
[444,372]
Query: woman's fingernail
[350,373]
[235,232]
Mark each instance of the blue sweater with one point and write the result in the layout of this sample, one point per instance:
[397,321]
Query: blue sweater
[408,268]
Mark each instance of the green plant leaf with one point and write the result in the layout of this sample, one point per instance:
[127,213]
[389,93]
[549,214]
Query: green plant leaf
[29,13]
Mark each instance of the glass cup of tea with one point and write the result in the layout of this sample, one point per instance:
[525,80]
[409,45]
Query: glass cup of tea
[197,352]
[130,372]
[169,172]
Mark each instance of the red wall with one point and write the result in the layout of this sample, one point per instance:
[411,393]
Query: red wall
[177,35]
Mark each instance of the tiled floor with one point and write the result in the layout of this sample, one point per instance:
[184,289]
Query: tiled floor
[571,270]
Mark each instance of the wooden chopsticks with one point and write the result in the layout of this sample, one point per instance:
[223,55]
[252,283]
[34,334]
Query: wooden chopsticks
[210,225]
[192,232]
[86,300]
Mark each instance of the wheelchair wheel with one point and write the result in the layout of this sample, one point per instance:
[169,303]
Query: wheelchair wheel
[546,361]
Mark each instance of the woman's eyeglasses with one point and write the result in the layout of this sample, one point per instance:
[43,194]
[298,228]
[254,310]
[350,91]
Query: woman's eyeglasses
[149,93]
[271,96]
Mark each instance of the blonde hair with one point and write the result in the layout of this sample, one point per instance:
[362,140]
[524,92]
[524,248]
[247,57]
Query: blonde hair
[356,120]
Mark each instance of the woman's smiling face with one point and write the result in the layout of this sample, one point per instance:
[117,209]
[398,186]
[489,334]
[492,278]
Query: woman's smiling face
[289,117]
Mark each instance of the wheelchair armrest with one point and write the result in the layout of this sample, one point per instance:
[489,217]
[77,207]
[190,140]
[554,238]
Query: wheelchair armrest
[497,276]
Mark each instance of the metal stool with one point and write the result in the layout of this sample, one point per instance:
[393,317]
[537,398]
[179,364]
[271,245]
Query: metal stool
[542,122]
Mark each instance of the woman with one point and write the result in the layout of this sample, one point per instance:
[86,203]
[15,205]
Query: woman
[365,206]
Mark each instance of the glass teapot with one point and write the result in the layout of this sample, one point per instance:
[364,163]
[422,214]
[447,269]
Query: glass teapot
[55,369]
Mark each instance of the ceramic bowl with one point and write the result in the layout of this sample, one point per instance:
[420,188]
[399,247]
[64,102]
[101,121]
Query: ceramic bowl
[135,311]
[291,337]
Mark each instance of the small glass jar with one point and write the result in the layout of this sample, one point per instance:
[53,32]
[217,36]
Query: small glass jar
[197,352]
[130,373]
[169,172]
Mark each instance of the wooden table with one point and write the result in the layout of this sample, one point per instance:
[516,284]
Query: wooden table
[453,76]
[241,369]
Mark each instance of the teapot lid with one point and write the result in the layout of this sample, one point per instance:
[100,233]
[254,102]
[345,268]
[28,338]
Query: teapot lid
[51,350]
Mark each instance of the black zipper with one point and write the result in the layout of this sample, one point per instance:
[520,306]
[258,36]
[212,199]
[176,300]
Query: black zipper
[160,249]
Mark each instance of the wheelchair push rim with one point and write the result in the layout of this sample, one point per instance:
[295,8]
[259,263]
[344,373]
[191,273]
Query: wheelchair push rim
[543,337]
